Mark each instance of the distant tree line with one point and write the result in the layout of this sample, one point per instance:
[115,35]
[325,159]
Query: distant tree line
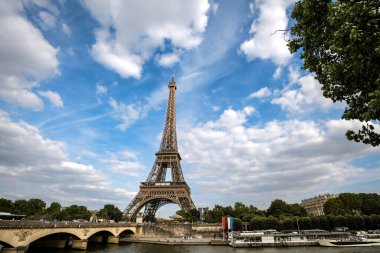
[355,211]
[36,209]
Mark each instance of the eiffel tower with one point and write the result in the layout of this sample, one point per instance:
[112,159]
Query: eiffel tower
[156,191]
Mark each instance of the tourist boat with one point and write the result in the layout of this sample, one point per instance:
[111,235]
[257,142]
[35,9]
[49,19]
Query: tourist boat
[356,241]
[277,239]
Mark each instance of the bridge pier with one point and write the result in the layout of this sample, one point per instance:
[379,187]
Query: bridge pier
[79,244]
[113,239]
[13,250]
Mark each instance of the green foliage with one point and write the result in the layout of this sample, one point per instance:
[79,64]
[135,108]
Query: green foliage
[54,210]
[110,212]
[277,208]
[353,203]
[6,205]
[238,225]
[340,42]
[190,216]
[241,211]
[74,212]
[29,207]
[334,206]
[280,209]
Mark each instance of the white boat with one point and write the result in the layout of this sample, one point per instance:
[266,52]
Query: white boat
[362,242]
[277,239]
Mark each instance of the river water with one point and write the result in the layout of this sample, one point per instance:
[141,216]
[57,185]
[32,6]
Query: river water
[152,248]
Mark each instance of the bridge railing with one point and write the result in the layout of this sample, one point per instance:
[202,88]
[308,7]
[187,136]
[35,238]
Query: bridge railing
[60,224]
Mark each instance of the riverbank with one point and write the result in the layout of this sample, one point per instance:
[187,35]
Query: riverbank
[168,241]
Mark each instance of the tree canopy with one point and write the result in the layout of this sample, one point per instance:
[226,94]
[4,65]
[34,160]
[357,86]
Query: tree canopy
[340,42]
[110,212]
[353,204]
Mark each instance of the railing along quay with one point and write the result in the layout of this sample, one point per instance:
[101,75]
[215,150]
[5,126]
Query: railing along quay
[59,224]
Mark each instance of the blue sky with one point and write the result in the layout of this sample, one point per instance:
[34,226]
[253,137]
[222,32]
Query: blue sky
[83,91]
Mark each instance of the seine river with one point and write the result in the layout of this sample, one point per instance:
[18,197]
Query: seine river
[152,248]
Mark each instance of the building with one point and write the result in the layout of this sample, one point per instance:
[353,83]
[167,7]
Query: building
[314,206]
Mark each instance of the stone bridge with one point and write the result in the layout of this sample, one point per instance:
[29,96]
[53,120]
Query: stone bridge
[17,236]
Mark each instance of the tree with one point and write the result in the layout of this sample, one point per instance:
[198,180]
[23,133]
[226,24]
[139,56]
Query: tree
[29,207]
[190,216]
[110,212]
[238,225]
[6,205]
[36,207]
[297,210]
[340,42]
[334,206]
[21,207]
[53,210]
[371,204]
[277,208]
[74,212]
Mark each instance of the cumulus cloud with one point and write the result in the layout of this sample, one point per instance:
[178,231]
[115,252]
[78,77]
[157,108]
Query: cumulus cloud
[168,60]
[265,43]
[26,57]
[53,97]
[129,35]
[263,92]
[285,159]
[302,94]
[41,168]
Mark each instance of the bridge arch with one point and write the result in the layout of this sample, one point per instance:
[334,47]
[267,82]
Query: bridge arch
[110,231]
[41,234]
[126,233]
[6,245]
[54,240]
[168,199]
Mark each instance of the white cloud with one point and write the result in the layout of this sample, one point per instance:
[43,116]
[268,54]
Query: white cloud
[131,31]
[26,58]
[248,110]
[127,114]
[100,89]
[231,118]
[277,73]
[303,94]
[263,92]
[285,159]
[43,170]
[47,20]
[53,97]
[265,43]
[168,60]
[124,162]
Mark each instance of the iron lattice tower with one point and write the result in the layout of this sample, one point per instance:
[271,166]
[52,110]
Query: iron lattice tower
[156,191]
